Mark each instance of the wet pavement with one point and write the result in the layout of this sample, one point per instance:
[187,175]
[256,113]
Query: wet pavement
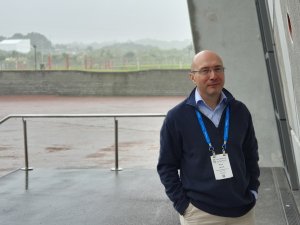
[130,197]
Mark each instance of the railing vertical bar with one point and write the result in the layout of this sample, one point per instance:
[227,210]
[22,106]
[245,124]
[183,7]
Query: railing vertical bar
[116,147]
[26,168]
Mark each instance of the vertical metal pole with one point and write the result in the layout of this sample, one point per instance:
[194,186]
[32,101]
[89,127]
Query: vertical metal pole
[35,67]
[26,180]
[116,148]
[26,168]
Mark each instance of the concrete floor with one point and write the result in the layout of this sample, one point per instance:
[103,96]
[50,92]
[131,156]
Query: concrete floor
[99,196]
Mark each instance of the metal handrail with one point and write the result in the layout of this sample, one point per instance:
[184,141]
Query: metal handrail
[114,116]
[81,115]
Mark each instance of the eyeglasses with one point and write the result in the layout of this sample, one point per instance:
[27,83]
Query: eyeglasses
[205,71]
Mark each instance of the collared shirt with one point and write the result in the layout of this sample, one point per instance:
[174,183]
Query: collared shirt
[213,114]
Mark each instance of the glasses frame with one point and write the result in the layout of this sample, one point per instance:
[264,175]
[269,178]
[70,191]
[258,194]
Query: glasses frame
[207,70]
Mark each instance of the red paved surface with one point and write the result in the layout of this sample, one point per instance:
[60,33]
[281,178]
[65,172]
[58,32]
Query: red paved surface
[81,143]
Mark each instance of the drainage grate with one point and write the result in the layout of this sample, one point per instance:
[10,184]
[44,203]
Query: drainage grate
[285,194]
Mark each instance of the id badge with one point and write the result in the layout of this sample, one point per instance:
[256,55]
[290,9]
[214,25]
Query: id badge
[221,166]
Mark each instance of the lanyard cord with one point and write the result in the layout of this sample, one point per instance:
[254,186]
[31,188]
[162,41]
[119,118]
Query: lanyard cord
[204,131]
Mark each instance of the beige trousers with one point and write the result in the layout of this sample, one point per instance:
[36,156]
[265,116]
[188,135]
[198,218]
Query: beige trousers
[195,216]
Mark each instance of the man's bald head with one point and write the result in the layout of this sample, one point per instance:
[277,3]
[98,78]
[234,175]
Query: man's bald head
[203,56]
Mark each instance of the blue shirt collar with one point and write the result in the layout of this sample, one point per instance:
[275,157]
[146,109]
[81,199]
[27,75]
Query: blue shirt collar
[199,98]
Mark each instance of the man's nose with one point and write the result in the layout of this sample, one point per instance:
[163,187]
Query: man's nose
[212,74]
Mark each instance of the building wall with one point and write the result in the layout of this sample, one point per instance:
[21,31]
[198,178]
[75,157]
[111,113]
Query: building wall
[287,43]
[78,83]
[230,27]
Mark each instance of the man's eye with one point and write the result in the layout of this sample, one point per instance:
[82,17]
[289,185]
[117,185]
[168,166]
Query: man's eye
[205,71]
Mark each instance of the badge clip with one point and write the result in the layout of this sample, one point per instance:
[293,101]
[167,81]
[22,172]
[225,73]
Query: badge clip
[223,148]
[211,149]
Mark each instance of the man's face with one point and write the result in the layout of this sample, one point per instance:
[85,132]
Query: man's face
[210,76]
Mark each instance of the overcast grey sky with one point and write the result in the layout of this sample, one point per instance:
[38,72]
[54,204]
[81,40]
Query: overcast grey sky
[87,21]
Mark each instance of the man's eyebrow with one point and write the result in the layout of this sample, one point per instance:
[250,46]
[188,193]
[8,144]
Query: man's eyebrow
[207,67]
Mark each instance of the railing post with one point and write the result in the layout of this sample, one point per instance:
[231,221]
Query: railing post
[116,168]
[26,168]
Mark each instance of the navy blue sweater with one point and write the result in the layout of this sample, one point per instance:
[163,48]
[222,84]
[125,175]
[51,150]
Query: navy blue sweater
[183,147]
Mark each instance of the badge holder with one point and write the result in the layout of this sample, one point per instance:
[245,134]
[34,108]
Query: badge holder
[221,164]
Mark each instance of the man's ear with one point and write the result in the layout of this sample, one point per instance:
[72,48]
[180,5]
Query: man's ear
[192,78]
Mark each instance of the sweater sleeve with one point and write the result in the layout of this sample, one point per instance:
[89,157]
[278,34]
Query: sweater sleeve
[169,164]
[251,153]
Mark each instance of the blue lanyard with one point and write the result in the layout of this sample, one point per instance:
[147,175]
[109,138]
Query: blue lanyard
[204,131]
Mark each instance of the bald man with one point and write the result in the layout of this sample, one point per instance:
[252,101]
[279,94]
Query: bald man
[208,159]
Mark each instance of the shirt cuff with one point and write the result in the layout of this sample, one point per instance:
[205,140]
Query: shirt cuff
[255,194]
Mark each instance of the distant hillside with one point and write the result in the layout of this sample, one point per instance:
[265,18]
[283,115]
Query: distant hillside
[165,44]
[129,46]
[140,54]
[44,45]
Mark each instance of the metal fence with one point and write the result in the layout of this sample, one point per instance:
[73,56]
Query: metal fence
[114,116]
